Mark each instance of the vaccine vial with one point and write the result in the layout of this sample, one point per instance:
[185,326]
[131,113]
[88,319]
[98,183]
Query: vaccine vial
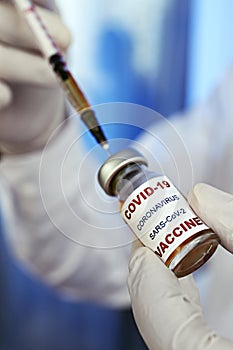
[157,212]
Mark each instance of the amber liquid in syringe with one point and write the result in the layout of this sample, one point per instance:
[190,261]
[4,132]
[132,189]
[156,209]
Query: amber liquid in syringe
[78,100]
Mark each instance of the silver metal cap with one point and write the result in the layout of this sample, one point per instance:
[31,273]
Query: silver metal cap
[114,164]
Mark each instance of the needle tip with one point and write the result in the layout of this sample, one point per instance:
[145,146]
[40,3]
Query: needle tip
[105,146]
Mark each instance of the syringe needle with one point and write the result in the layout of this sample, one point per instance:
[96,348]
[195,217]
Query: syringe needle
[52,53]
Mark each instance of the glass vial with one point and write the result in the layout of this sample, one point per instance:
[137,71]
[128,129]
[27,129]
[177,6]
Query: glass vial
[157,212]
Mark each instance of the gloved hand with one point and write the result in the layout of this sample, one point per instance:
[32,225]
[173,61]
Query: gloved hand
[31,101]
[166,309]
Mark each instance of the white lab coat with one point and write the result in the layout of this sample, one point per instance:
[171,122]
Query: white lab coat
[90,265]
[197,146]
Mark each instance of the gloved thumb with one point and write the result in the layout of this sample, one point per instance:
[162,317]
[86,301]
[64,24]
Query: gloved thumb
[215,207]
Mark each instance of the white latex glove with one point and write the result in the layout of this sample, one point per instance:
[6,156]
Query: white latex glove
[31,101]
[166,309]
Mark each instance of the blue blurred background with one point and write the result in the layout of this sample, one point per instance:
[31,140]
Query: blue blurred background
[163,54]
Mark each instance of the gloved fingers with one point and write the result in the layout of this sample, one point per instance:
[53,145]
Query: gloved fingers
[160,305]
[188,285]
[30,129]
[15,31]
[215,207]
[17,66]
[5,95]
[147,267]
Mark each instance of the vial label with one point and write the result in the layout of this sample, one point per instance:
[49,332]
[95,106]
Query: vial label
[160,216]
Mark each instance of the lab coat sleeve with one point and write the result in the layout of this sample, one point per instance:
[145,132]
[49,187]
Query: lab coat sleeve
[195,146]
[57,228]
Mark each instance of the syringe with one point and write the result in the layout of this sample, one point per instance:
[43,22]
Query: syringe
[57,61]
